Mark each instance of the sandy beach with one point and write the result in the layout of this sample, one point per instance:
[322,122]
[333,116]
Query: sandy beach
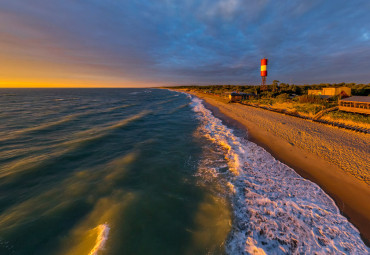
[335,159]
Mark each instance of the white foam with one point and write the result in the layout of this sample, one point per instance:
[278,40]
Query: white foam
[275,210]
[101,239]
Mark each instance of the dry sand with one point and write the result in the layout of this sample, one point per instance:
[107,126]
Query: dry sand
[335,159]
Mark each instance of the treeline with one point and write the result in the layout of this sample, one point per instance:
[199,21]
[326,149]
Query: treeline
[277,88]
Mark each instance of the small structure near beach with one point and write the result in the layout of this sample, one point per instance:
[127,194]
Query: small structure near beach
[237,96]
[357,104]
[330,92]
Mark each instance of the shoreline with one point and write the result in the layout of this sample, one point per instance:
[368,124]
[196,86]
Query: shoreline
[348,192]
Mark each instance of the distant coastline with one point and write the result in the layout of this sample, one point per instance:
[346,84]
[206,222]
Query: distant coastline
[332,158]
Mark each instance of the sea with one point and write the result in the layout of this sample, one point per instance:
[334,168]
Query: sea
[150,171]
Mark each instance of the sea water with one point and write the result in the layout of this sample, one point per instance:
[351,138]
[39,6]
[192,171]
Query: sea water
[149,171]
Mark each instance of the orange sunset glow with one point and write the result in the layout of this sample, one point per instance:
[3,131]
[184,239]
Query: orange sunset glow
[233,127]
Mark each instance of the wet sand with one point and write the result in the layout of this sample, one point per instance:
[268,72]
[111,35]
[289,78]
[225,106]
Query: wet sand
[335,159]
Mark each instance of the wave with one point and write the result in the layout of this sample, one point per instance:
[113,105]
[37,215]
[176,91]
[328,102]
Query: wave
[5,136]
[17,133]
[81,138]
[124,122]
[166,101]
[119,107]
[78,140]
[84,238]
[103,231]
[275,209]
[65,119]
[25,164]
[178,108]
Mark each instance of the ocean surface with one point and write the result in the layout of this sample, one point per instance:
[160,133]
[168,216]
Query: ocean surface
[149,171]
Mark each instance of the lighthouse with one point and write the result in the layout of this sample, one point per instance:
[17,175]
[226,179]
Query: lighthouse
[264,73]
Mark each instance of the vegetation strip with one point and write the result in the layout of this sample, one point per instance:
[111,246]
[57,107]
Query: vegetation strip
[332,123]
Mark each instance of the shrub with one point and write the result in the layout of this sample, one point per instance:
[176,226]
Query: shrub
[312,99]
[282,97]
[308,108]
[349,116]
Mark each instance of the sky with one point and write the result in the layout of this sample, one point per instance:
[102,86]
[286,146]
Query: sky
[135,43]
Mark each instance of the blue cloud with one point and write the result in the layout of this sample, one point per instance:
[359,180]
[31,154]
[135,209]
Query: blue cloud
[209,41]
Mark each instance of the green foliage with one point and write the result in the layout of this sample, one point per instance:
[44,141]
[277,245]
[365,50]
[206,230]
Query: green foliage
[267,94]
[312,99]
[264,101]
[309,104]
[355,117]
[275,88]
[308,108]
[283,97]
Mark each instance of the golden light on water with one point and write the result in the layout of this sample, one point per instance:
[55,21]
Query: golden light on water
[102,236]
[212,225]
[85,239]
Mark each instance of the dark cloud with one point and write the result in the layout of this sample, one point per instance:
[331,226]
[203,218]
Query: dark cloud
[210,41]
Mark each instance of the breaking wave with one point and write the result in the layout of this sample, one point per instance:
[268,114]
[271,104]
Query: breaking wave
[101,239]
[276,210]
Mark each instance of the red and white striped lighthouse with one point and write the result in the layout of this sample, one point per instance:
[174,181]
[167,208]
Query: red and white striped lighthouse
[264,67]
[264,73]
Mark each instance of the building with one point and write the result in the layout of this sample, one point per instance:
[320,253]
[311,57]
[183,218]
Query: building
[343,91]
[237,97]
[330,92]
[357,104]
[316,92]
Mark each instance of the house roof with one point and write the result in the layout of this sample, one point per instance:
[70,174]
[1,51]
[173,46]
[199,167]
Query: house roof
[337,87]
[362,99]
[325,96]
[238,94]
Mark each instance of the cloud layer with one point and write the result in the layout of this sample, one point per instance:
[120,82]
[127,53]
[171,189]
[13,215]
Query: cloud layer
[138,43]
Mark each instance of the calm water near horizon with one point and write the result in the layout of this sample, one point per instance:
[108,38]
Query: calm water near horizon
[148,171]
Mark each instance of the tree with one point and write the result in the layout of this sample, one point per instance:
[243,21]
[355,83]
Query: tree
[293,88]
[284,87]
[275,85]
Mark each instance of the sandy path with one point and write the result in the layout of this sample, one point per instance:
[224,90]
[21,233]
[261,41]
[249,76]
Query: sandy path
[335,159]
